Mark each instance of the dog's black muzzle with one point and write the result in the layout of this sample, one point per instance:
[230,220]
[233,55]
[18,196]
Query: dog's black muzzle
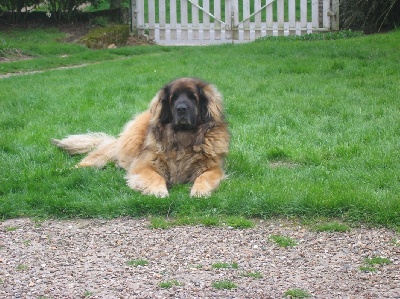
[184,113]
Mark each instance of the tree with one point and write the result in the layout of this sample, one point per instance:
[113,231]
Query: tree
[17,8]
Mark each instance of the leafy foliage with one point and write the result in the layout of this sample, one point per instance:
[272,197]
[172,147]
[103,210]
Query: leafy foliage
[56,9]
[369,15]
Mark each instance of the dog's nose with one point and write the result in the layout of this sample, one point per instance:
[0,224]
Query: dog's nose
[181,108]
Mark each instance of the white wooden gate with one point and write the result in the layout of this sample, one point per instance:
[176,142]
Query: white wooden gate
[191,22]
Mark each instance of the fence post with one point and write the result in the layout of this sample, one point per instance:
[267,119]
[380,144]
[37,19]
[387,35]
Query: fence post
[335,15]
[315,15]
[280,10]
[217,24]
[235,19]
[134,23]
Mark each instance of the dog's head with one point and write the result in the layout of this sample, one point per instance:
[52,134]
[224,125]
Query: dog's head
[186,103]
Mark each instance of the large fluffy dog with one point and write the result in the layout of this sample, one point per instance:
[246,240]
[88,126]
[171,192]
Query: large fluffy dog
[182,138]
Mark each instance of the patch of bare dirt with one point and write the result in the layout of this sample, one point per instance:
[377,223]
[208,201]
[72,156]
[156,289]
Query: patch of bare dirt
[139,41]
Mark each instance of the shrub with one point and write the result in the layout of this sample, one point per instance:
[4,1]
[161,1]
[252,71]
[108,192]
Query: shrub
[369,15]
[102,37]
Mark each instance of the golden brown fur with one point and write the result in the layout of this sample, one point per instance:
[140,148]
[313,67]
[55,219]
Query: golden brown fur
[182,138]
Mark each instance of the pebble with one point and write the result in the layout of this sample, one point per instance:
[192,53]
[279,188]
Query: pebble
[71,258]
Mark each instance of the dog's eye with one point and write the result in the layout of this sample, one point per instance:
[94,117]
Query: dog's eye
[174,96]
[191,95]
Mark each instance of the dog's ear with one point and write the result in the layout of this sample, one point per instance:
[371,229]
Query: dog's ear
[165,116]
[213,104]
[160,108]
[204,114]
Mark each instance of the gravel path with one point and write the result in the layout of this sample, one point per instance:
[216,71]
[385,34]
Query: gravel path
[89,259]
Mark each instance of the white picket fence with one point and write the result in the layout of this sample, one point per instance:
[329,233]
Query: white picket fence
[194,22]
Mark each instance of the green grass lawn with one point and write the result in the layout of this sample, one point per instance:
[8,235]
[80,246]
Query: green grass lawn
[315,127]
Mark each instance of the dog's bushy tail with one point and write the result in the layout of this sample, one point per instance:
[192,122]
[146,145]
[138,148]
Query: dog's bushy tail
[82,143]
[100,146]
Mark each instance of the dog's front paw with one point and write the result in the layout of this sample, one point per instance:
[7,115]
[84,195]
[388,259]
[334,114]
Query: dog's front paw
[207,182]
[158,192]
[200,191]
[156,188]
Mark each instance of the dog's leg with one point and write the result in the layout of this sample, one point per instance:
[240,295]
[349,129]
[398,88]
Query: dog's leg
[207,182]
[131,139]
[105,152]
[146,180]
